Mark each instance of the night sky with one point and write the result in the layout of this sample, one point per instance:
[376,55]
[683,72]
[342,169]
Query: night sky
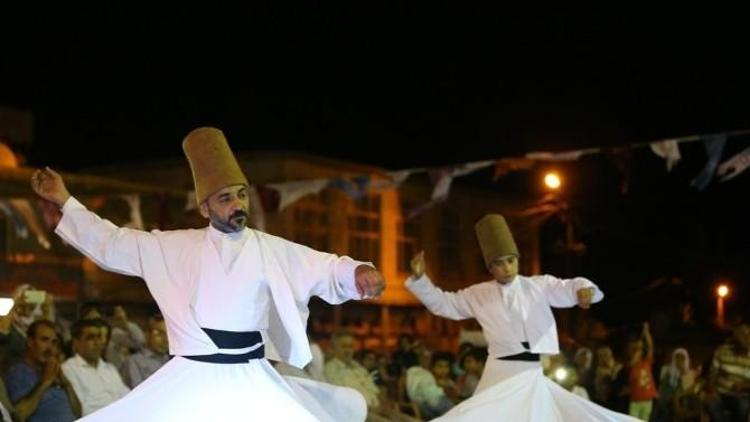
[453,84]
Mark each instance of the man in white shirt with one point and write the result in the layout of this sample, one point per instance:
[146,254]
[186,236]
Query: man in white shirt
[96,382]
[139,366]
[516,318]
[343,370]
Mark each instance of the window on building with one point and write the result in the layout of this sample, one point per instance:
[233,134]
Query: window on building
[311,224]
[449,243]
[407,236]
[364,229]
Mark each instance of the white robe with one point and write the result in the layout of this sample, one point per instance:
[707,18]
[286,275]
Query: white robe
[177,266]
[509,315]
[530,396]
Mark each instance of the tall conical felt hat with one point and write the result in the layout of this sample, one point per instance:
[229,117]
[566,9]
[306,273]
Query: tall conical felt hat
[212,162]
[495,238]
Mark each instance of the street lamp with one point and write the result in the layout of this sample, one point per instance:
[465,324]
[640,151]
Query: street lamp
[722,291]
[555,200]
[552,181]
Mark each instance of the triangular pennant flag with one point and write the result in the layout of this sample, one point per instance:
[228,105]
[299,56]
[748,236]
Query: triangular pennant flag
[290,192]
[393,181]
[134,203]
[443,177]
[468,168]
[668,150]
[355,188]
[561,156]
[441,180]
[507,165]
[714,145]
[422,208]
[734,166]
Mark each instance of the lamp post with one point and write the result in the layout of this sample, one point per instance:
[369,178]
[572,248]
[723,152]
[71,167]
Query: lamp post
[722,291]
[552,181]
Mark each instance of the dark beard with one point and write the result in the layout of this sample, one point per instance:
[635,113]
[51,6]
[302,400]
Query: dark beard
[235,223]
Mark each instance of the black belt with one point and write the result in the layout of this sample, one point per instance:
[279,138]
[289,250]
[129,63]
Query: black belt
[524,356]
[258,353]
[232,340]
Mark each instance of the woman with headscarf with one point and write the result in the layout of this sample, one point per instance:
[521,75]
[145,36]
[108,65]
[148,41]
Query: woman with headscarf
[676,377]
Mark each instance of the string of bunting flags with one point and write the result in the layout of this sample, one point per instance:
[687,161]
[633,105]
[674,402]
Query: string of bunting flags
[276,197]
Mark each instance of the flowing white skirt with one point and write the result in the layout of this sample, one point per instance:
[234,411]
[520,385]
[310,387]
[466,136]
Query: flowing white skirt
[328,402]
[526,395]
[184,390]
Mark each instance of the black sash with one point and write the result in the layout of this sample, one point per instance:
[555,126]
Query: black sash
[524,356]
[232,340]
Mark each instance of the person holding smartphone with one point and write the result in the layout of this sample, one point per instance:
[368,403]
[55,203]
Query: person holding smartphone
[27,308]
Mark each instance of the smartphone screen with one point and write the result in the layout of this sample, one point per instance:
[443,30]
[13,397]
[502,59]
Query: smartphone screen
[35,296]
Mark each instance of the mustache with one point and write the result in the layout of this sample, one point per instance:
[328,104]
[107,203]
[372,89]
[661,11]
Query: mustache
[238,214]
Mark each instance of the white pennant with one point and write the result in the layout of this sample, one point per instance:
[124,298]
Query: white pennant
[734,166]
[290,192]
[668,150]
[443,185]
[561,156]
[394,180]
[136,220]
